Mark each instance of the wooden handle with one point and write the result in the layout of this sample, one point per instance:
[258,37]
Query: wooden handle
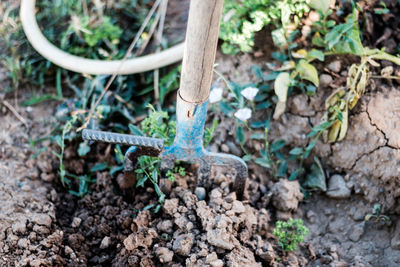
[200,48]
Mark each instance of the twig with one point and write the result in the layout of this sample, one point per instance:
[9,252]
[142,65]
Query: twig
[127,54]
[16,114]
[158,40]
[151,32]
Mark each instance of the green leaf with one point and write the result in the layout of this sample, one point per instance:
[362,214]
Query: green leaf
[257,136]
[263,105]
[315,54]
[247,157]
[257,124]
[308,72]
[333,37]
[282,169]
[310,147]
[317,40]
[135,130]
[263,162]
[83,149]
[320,5]
[281,86]
[316,179]
[99,167]
[294,174]
[277,145]
[226,108]
[296,151]
[278,37]
[240,135]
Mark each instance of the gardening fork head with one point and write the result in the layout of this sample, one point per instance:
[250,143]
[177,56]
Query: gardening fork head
[187,147]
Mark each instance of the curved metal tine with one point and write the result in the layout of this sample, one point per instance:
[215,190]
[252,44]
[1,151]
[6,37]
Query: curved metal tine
[220,159]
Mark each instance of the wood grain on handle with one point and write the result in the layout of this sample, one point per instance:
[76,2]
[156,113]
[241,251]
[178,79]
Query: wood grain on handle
[200,48]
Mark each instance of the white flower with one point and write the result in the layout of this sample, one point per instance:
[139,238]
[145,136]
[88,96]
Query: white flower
[249,93]
[243,114]
[216,95]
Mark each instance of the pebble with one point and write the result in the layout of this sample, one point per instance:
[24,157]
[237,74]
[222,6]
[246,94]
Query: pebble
[19,226]
[164,254]
[165,226]
[26,188]
[105,243]
[337,188]
[233,148]
[335,66]
[224,148]
[200,192]
[68,250]
[23,243]
[47,177]
[183,244]
[219,238]
[238,207]
[325,79]
[76,222]
[356,232]
[41,219]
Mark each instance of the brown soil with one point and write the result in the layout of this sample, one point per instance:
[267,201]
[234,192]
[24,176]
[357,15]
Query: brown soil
[42,224]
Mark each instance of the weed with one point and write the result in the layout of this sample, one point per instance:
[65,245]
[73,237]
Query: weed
[377,215]
[159,125]
[242,19]
[290,233]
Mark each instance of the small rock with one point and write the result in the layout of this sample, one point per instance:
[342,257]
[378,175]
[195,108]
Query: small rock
[286,195]
[47,177]
[356,232]
[311,216]
[231,197]
[126,181]
[220,238]
[26,188]
[183,244]
[76,222]
[41,219]
[217,263]
[105,243]
[224,148]
[337,188]
[170,206]
[335,66]
[23,243]
[200,192]
[164,254]
[233,148]
[241,256]
[19,227]
[165,226]
[211,257]
[142,238]
[68,250]
[237,207]
[325,79]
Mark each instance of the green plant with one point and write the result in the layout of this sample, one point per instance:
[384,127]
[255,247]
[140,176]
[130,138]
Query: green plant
[290,233]
[377,215]
[159,125]
[242,19]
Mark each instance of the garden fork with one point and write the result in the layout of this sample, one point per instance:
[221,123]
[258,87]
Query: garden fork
[191,107]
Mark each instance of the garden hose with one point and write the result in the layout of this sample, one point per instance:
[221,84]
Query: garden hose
[91,66]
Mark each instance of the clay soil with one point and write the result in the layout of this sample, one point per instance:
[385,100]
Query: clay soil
[42,224]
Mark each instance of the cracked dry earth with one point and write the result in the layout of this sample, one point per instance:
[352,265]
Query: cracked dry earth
[369,161]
